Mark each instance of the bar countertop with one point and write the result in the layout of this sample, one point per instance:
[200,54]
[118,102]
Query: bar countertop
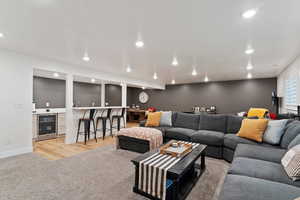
[106,107]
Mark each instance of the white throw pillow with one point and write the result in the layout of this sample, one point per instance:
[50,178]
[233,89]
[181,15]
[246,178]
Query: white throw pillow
[274,131]
[291,162]
[166,118]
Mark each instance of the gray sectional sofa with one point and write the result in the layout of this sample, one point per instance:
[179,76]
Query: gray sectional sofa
[216,131]
[256,172]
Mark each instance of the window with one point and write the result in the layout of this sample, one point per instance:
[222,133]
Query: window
[291,92]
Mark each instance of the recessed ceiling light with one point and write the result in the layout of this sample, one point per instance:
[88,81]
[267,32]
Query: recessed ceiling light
[128,69]
[194,72]
[143,88]
[175,62]
[249,75]
[1,35]
[56,74]
[249,51]
[249,65]
[155,76]
[139,44]
[86,57]
[206,79]
[249,13]
[93,80]
[173,82]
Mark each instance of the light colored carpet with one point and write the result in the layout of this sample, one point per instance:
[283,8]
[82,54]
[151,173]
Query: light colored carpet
[100,174]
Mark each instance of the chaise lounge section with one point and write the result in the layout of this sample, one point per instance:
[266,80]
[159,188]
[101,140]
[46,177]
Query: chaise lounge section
[257,174]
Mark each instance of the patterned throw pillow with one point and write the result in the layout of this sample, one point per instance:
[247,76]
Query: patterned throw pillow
[291,163]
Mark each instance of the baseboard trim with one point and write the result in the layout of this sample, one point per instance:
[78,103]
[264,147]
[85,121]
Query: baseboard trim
[16,152]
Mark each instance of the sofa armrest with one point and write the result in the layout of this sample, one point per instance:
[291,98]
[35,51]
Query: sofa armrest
[142,123]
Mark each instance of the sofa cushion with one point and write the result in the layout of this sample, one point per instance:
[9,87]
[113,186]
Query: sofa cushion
[232,140]
[180,133]
[261,169]
[163,129]
[238,187]
[260,152]
[212,138]
[185,120]
[233,123]
[291,131]
[213,122]
[274,131]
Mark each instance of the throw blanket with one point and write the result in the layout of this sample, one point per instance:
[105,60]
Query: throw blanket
[154,136]
[153,173]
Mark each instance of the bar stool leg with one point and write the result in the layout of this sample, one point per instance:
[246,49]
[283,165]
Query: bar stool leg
[89,129]
[97,122]
[119,123]
[104,127]
[95,130]
[110,124]
[78,131]
[124,121]
[85,131]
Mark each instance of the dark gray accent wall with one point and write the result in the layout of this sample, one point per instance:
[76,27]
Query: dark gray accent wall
[49,90]
[113,95]
[85,94]
[227,96]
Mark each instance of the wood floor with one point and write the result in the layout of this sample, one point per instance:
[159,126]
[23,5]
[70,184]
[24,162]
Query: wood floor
[56,148]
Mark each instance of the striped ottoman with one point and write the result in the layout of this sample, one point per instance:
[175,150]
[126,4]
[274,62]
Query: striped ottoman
[139,139]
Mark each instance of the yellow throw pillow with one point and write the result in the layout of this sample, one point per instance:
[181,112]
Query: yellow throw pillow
[257,112]
[253,129]
[153,119]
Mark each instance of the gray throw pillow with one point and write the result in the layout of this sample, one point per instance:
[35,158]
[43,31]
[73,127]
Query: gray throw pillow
[166,119]
[274,131]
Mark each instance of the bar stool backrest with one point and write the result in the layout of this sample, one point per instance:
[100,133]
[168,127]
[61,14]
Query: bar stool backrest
[108,113]
[91,115]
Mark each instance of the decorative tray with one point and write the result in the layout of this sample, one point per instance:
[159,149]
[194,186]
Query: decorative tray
[176,149]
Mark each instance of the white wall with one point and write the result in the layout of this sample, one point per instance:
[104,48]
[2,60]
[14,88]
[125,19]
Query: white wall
[292,71]
[16,104]
[16,77]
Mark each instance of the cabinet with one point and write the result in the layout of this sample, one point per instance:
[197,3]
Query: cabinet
[61,128]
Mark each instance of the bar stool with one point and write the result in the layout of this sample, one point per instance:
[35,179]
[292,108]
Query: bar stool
[87,125]
[104,120]
[119,117]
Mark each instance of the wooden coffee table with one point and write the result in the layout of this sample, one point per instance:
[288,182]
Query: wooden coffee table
[183,174]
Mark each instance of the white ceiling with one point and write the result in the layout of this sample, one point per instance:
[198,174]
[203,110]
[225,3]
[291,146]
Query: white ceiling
[210,34]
